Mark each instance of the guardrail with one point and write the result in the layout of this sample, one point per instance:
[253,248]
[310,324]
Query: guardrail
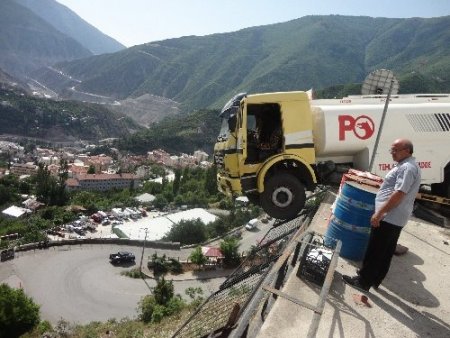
[117,241]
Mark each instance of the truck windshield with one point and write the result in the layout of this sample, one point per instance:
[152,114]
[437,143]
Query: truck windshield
[224,131]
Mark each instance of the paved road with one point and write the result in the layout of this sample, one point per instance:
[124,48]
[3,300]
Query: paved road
[249,237]
[79,284]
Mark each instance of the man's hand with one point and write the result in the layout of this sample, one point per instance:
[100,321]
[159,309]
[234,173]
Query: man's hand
[375,220]
[394,200]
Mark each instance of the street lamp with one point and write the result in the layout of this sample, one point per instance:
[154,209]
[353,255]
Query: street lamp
[143,246]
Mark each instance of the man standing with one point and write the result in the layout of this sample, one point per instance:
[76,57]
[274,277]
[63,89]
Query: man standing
[393,207]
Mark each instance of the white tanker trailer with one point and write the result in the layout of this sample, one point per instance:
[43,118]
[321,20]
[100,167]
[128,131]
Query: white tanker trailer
[274,146]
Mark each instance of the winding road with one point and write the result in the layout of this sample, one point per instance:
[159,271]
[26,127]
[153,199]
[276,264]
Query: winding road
[78,284]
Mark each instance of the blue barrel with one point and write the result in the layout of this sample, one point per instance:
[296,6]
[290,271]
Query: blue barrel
[350,221]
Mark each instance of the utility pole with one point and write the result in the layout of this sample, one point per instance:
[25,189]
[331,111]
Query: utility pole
[377,140]
[143,247]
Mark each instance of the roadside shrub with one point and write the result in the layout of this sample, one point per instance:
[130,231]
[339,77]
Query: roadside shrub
[152,312]
[175,266]
[133,273]
[174,305]
[146,308]
[160,265]
[158,313]
[18,312]
[44,326]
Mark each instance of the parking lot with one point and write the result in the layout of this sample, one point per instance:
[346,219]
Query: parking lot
[77,283]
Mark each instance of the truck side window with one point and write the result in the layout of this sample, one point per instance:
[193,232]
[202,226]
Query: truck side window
[264,130]
[269,127]
[232,123]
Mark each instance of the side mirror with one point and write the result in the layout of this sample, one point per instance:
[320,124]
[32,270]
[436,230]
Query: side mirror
[232,123]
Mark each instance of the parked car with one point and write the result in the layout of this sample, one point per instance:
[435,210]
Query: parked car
[121,257]
[7,254]
[252,224]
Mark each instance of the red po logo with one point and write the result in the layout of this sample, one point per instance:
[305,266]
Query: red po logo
[362,126]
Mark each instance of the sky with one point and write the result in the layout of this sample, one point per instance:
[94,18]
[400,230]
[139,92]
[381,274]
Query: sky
[134,22]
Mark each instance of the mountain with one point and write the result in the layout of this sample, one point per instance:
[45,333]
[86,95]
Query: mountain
[182,133]
[27,42]
[69,23]
[9,82]
[313,51]
[26,116]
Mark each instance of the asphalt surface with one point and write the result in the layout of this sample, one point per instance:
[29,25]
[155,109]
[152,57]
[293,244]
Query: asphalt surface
[78,284]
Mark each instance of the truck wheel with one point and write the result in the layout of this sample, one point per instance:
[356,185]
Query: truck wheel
[253,198]
[283,197]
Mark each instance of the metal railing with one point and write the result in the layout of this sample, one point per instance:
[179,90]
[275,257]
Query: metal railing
[228,311]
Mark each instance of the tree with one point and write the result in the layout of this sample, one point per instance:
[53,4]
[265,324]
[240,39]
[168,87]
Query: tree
[187,232]
[18,313]
[160,202]
[197,257]
[176,182]
[163,291]
[91,169]
[61,195]
[49,190]
[211,180]
[229,247]
[159,264]
[5,195]
[161,303]
[43,184]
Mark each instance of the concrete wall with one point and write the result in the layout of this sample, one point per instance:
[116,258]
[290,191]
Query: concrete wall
[117,241]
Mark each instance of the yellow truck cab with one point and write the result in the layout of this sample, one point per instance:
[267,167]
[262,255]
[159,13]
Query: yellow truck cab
[273,171]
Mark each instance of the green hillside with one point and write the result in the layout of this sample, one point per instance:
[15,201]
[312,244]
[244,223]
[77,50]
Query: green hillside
[313,51]
[59,121]
[177,134]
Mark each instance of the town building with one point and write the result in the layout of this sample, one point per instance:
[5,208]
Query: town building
[102,182]
[20,169]
[200,156]
[15,212]
[77,168]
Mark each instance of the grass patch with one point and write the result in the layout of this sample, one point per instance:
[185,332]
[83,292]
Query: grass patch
[133,273]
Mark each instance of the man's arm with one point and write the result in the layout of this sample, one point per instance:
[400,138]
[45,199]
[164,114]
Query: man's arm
[390,204]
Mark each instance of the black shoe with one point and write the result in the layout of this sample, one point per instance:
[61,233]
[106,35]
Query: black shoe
[355,283]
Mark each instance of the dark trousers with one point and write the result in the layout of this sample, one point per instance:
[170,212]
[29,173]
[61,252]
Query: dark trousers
[381,248]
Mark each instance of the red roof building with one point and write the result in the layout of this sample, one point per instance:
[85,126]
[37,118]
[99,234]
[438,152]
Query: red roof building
[213,254]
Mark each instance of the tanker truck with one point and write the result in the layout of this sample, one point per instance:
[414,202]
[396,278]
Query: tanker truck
[318,140]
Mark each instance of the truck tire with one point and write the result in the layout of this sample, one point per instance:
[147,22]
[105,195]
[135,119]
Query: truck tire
[253,198]
[283,197]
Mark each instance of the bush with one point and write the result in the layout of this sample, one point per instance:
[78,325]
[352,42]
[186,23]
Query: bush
[229,248]
[175,266]
[44,326]
[152,311]
[158,264]
[146,308]
[18,313]
[197,257]
[174,305]
[133,273]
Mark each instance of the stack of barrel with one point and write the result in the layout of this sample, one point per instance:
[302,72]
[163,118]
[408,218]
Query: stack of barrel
[351,213]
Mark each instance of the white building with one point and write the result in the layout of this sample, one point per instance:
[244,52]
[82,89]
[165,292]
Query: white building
[159,226]
[15,212]
[102,182]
